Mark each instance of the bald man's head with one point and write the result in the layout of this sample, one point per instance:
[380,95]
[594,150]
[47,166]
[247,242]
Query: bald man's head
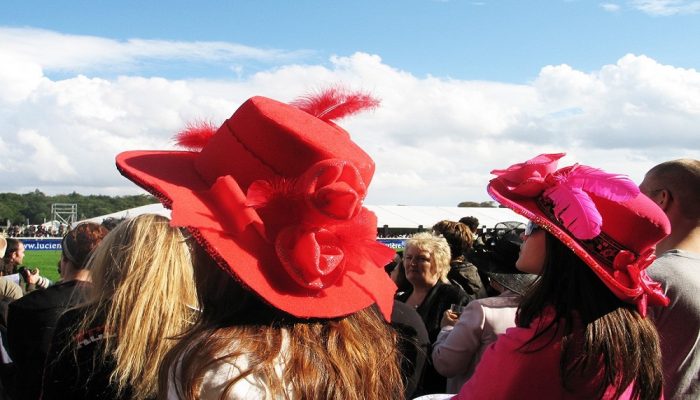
[681,179]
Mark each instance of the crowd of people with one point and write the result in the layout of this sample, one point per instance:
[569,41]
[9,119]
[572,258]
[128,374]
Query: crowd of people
[39,231]
[268,281]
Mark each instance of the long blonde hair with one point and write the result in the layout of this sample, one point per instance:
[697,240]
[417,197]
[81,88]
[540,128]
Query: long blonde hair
[144,288]
[349,358]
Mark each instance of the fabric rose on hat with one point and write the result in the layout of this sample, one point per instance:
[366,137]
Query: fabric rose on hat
[309,220]
[333,188]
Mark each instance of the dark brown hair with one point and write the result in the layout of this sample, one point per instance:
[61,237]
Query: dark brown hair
[601,332]
[9,266]
[458,236]
[78,244]
[471,222]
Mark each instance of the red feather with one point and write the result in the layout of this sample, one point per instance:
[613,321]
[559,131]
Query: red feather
[335,103]
[196,135]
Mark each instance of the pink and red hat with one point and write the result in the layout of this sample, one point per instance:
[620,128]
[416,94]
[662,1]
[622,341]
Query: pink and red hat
[603,218]
[275,196]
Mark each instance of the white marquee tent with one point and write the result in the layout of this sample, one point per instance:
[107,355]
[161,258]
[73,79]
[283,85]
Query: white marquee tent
[408,217]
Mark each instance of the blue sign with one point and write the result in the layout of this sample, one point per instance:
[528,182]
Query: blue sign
[395,243]
[41,243]
[55,243]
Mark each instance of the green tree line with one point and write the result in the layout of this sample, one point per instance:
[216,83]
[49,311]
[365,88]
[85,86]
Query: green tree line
[487,204]
[35,206]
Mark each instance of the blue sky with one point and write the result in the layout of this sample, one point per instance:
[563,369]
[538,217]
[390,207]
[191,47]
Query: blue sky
[466,86]
[483,40]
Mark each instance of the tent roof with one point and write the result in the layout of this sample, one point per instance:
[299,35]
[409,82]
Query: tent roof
[393,216]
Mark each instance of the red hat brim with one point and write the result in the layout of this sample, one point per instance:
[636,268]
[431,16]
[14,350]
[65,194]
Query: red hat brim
[172,176]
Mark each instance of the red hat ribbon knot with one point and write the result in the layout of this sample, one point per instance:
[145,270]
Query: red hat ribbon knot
[228,212]
[630,272]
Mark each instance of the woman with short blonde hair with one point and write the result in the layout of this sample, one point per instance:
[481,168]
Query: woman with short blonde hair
[427,262]
[438,247]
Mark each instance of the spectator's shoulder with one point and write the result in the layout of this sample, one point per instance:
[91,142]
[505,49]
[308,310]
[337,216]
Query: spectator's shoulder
[46,298]
[452,291]
[10,289]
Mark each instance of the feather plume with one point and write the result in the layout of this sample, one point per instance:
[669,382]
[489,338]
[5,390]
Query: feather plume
[576,210]
[196,135]
[335,103]
[609,186]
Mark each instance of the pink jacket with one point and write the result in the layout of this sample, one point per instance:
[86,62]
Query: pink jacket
[507,372]
[458,349]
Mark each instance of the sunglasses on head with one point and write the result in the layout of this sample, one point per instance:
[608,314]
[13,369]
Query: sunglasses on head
[531,228]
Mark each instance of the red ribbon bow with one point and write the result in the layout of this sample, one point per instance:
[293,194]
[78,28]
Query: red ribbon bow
[629,272]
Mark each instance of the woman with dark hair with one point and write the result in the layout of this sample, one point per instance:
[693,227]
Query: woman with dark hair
[581,331]
[293,295]
[32,319]
[12,269]
[464,337]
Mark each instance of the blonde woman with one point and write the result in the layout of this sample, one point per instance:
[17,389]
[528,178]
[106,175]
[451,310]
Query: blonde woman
[426,261]
[143,293]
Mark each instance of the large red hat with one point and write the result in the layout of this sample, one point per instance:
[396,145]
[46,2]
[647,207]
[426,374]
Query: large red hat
[275,196]
[602,217]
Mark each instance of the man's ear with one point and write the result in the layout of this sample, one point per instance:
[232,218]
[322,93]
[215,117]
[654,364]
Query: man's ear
[664,199]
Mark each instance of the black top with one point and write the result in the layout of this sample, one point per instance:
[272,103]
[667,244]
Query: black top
[78,374]
[436,302]
[413,344]
[30,326]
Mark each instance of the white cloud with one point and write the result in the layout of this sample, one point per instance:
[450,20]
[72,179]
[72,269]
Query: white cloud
[41,158]
[62,52]
[434,139]
[666,7]
[610,7]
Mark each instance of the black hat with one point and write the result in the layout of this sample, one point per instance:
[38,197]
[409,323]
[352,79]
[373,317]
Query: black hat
[501,266]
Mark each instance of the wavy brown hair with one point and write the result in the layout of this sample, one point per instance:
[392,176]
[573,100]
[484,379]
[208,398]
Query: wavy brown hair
[458,236]
[349,358]
[144,289]
[601,332]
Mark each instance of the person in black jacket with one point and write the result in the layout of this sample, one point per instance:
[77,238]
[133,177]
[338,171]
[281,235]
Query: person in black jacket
[32,319]
[462,273]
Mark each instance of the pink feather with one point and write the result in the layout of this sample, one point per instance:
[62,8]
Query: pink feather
[196,135]
[335,103]
[576,210]
[609,186]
